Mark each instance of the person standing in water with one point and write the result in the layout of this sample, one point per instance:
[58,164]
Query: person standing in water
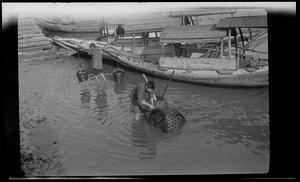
[142,96]
[96,64]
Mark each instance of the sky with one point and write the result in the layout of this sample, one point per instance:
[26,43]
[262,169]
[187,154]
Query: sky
[129,8]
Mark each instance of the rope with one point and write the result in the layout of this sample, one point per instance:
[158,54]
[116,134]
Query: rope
[80,64]
[168,84]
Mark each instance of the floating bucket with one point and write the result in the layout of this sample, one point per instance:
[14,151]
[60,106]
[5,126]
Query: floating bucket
[118,74]
[82,75]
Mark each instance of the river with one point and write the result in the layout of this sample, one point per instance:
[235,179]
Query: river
[88,130]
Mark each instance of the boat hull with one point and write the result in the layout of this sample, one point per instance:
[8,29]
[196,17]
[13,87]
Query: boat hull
[254,79]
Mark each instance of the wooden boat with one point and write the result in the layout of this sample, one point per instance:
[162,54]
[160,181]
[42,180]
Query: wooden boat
[70,26]
[215,64]
[129,59]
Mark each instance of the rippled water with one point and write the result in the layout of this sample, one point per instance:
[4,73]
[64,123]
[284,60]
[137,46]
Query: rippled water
[227,129]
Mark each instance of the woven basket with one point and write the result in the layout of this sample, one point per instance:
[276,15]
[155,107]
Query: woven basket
[164,117]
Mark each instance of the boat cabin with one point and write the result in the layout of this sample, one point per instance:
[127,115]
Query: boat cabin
[217,47]
[254,48]
[197,48]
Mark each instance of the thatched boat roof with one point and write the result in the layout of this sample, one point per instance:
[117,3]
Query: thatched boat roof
[202,12]
[151,25]
[191,34]
[243,22]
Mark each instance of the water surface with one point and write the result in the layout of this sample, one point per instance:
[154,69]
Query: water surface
[90,130]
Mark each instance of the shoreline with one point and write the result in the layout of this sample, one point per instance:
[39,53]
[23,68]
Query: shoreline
[35,160]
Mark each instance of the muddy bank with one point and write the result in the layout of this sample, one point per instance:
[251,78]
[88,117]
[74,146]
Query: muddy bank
[36,137]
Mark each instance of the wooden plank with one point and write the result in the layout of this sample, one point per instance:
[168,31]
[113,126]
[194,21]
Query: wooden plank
[202,12]
[229,43]
[26,22]
[243,22]
[37,31]
[28,36]
[197,63]
[133,37]
[221,48]
[21,25]
[36,48]
[37,59]
[34,44]
[31,40]
[30,55]
[156,50]
[27,28]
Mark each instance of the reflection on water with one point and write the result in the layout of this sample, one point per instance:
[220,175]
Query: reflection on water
[101,100]
[143,138]
[226,130]
[85,98]
[119,88]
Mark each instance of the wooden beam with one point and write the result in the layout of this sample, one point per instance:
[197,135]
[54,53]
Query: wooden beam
[115,32]
[162,50]
[221,48]
[236,43]
[107,34]
[238,60]
[242,37]
[229,43]
[133,36]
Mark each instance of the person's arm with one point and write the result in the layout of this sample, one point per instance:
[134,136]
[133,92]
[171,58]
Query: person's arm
[146,103]
[154,97]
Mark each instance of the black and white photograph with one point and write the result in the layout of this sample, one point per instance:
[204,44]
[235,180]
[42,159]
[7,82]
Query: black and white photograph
[152,88]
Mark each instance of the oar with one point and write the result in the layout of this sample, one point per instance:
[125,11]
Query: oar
[168,84]
[145,77]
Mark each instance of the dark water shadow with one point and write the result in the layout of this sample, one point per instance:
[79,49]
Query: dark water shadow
[234,131]
[142,136]
[85,98]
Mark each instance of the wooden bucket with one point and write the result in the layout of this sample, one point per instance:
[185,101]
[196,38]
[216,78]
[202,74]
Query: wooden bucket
[82,75]
[118,74]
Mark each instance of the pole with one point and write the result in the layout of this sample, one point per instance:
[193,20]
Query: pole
[229,43]
[168,84]
[250,34]
[133,36]
[162,49]
[221,48]
[115,32]
[236,43]
[145,77]
[242,37]
[107,34]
